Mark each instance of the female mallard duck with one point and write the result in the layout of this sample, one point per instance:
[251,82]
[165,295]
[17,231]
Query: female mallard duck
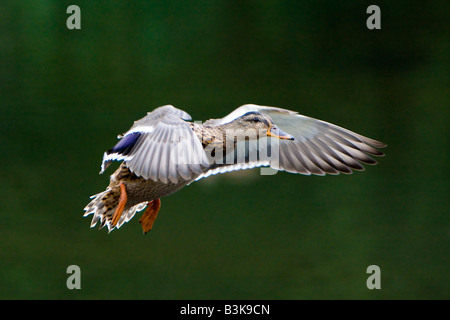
[163,152]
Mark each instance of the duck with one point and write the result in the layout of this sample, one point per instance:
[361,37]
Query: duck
[165,151]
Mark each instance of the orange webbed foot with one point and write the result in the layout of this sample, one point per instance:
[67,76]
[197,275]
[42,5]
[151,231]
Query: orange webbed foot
[122,202]
[150,214]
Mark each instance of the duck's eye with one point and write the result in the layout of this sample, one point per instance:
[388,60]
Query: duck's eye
[255,119]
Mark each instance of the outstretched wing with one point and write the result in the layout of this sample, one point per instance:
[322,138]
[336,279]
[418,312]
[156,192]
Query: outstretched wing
[319,147]
[161,146]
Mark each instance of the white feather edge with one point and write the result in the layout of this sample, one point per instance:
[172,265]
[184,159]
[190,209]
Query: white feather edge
[249,108]
[233,167]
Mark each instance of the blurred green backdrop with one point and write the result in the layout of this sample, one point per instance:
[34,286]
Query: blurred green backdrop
[66,94]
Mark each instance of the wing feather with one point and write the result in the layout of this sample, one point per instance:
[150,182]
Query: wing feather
[319,147]
[167,149]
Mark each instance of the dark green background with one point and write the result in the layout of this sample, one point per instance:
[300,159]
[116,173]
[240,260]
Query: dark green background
[66,94]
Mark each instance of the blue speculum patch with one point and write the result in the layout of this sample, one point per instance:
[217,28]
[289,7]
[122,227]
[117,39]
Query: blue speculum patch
[125,145]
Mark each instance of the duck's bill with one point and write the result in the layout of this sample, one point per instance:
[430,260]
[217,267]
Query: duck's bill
[275,132]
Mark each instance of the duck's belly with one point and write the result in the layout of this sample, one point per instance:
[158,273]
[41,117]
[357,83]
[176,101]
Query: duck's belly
[141,190]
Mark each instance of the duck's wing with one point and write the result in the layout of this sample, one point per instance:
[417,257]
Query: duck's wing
[319,147]
[161,146]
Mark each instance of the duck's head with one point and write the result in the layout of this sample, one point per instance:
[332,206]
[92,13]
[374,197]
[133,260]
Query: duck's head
[261,123]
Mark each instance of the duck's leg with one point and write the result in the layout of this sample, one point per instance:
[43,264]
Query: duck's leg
[149,216]
[122,202]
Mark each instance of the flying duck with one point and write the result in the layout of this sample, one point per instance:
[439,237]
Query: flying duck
[164,151]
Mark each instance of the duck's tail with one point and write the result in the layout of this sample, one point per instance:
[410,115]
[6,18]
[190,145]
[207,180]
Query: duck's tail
[103,206]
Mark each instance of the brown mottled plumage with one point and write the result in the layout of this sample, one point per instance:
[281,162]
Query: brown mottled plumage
[163,153]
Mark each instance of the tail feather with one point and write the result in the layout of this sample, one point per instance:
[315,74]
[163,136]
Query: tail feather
[103,207]
[127,215]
